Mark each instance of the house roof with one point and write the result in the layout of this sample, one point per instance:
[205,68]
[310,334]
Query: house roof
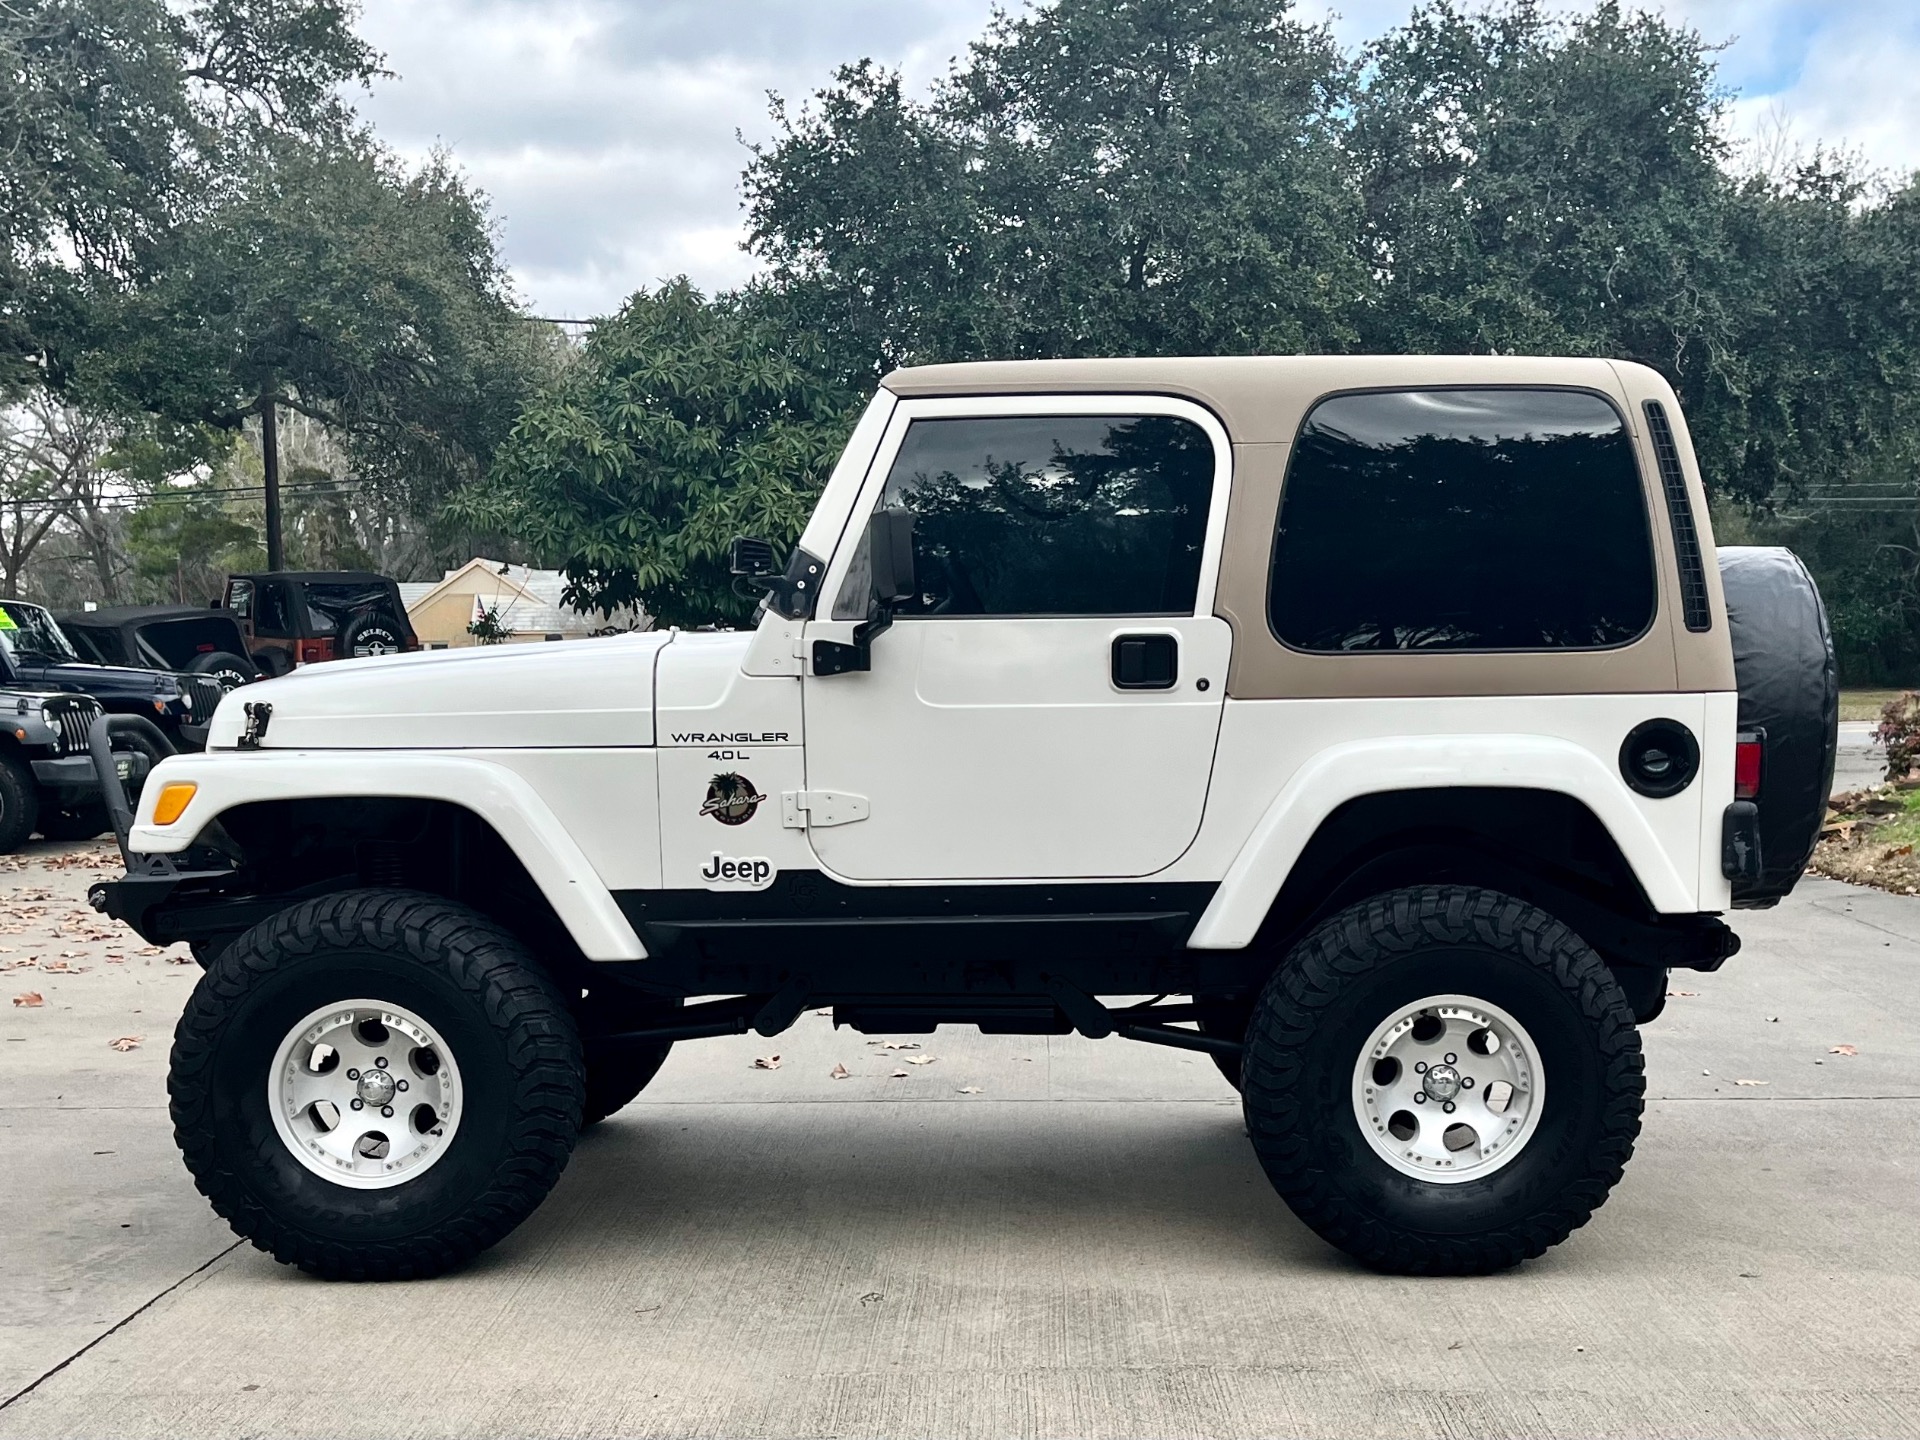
[529,599]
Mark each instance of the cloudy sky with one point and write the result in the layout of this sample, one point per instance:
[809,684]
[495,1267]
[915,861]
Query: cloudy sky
[606,130]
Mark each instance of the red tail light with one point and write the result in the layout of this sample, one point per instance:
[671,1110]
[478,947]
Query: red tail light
[1746,766]
[312,651]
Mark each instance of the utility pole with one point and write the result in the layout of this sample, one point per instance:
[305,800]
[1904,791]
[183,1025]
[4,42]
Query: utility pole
[270,475]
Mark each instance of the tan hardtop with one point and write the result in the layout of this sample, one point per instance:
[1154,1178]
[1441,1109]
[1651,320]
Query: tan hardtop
[1262,399]
[1259,398]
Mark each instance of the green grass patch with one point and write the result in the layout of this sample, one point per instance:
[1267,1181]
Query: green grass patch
[1865,704]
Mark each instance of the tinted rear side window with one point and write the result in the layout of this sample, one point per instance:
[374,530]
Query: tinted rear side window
[330,606]
[1462,520]
[1054,514]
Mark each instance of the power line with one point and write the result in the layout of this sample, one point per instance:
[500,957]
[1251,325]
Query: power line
[182,497]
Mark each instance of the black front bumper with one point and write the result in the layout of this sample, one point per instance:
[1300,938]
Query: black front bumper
[167,902]
[76,779]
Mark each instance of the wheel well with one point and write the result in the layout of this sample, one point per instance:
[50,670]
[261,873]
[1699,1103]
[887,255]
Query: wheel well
[1539,846]
[299,848]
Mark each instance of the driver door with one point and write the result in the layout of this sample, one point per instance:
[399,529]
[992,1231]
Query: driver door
[1046,702]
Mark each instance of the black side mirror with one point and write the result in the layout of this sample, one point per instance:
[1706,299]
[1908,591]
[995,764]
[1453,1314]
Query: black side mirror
[890,546]
[890,561]
[752,558]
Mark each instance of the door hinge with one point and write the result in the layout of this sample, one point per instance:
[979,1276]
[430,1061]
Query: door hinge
[818,808]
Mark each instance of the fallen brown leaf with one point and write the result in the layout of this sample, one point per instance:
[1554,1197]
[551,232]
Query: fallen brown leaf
[1842,1050]
[1688,994]
[766,1062]
[1753,1082]
[899,1074]
[899,1044]
[125,1043]
[920,1059]
[32,1000]
[839,1072]
[969,1089]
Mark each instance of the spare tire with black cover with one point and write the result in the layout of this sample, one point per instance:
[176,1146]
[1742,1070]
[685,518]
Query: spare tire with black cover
[1790,695]
[232,671]
[370,634]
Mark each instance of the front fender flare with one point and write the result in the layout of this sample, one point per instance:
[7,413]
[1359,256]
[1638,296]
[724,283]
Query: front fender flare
[494,793]
[1372,767]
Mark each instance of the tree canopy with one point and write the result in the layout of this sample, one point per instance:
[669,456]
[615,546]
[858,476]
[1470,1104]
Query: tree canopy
[683,423]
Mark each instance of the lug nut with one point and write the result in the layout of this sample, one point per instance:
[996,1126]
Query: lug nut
[1451,1058]
[353,1074]
[1448,1107]
[387,1110]
[357,1103]
[381,1061]
[1466,1082]
[1419,1097]
[1419,1067]
[401,1085]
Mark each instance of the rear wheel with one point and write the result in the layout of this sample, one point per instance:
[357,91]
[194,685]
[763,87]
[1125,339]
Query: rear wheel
[1443,1081]
[377,1084]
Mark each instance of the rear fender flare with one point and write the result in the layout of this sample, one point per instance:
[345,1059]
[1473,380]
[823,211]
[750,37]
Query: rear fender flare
[492,792]
[1371,767]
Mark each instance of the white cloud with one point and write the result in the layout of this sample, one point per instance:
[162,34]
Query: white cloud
[605,130]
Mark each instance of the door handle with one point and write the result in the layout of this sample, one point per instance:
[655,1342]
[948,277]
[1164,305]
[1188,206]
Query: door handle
[1146,662]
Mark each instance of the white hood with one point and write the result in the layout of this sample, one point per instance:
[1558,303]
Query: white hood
[551,695]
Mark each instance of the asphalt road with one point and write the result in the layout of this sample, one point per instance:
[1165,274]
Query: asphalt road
[1085,1246]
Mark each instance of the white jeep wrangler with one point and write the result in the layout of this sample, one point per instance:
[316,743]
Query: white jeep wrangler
[1391,714]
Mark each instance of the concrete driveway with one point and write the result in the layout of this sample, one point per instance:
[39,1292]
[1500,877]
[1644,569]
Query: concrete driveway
[1085,1246]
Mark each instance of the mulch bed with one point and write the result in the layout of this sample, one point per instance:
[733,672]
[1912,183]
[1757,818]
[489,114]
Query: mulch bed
[1852,848]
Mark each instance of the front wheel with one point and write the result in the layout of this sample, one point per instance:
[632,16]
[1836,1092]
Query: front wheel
[377,1084]
[1443,1081]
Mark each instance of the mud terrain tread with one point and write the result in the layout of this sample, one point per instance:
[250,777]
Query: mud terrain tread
[483,959]
[1345,949]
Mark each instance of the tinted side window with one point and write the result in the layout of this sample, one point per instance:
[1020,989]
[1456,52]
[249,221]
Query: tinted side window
[1052,515]
[1462,520]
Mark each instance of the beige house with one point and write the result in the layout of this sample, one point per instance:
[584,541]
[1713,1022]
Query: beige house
[526,601]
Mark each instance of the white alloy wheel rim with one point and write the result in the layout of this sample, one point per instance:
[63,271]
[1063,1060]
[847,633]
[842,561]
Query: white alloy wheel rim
[1449,1089]
[365,1094]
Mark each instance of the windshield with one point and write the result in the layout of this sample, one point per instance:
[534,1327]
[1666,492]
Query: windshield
[27,630]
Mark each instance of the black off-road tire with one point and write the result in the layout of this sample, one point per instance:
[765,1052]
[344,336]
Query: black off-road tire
[508,1028]
[76,822]
[1315,1016]
[224,666]
[19,803]
[364,629]
[619,1070]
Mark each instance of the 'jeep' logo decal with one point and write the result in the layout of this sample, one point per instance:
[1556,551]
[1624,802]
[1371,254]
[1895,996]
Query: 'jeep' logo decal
[731,799]
[753,871]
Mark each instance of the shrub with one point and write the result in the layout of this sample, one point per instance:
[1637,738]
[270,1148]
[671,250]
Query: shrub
[1899,731]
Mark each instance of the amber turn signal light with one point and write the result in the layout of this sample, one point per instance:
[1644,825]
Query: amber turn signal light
[173,801]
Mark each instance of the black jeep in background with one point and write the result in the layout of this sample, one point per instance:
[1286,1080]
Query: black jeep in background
[35,654]
[302,617]
[181,638]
